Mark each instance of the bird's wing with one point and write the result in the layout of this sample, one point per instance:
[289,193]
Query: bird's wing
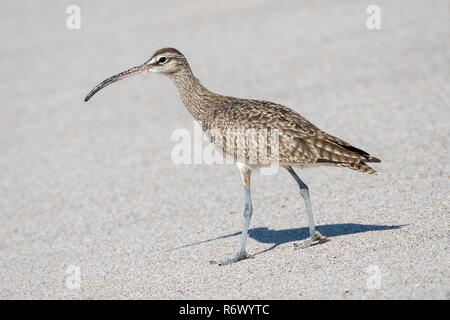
[299,141]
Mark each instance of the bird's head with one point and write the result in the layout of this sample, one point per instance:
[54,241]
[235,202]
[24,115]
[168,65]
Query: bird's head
[167,61]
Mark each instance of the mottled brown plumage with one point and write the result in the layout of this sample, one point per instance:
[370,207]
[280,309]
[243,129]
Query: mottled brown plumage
[248,129]
[300,142]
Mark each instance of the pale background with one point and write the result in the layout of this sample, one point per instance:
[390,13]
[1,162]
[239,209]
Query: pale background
[91,185]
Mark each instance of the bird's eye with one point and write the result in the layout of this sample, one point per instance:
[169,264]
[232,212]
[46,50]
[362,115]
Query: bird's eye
[162,59]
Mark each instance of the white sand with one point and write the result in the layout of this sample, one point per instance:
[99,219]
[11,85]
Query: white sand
[91,185]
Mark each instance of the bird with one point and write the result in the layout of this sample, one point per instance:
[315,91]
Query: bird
[231,124]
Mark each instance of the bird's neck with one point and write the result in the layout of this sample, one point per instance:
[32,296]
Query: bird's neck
[193,94]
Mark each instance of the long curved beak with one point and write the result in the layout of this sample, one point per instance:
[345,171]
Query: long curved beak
[135,70]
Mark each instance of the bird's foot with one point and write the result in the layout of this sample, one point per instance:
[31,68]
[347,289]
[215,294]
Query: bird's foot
[236,258]
[314,239]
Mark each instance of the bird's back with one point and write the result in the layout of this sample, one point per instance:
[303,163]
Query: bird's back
[262,132]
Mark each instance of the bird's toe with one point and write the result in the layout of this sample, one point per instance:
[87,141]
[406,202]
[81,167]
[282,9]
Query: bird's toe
[314,239]
[236,258]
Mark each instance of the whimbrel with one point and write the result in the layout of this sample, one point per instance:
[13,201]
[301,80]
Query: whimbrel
[299,142]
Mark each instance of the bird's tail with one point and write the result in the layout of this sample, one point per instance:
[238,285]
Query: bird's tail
[358,166]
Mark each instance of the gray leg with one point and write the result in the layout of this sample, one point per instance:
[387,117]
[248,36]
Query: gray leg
[304,191]
[241,254]
[247,216]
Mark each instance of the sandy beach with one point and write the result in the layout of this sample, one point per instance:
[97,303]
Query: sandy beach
[93,207]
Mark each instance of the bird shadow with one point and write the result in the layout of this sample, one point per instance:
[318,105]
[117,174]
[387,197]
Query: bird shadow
[279,237]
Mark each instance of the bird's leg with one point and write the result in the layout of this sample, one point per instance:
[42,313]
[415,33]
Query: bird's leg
[314,236]
[241,254]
